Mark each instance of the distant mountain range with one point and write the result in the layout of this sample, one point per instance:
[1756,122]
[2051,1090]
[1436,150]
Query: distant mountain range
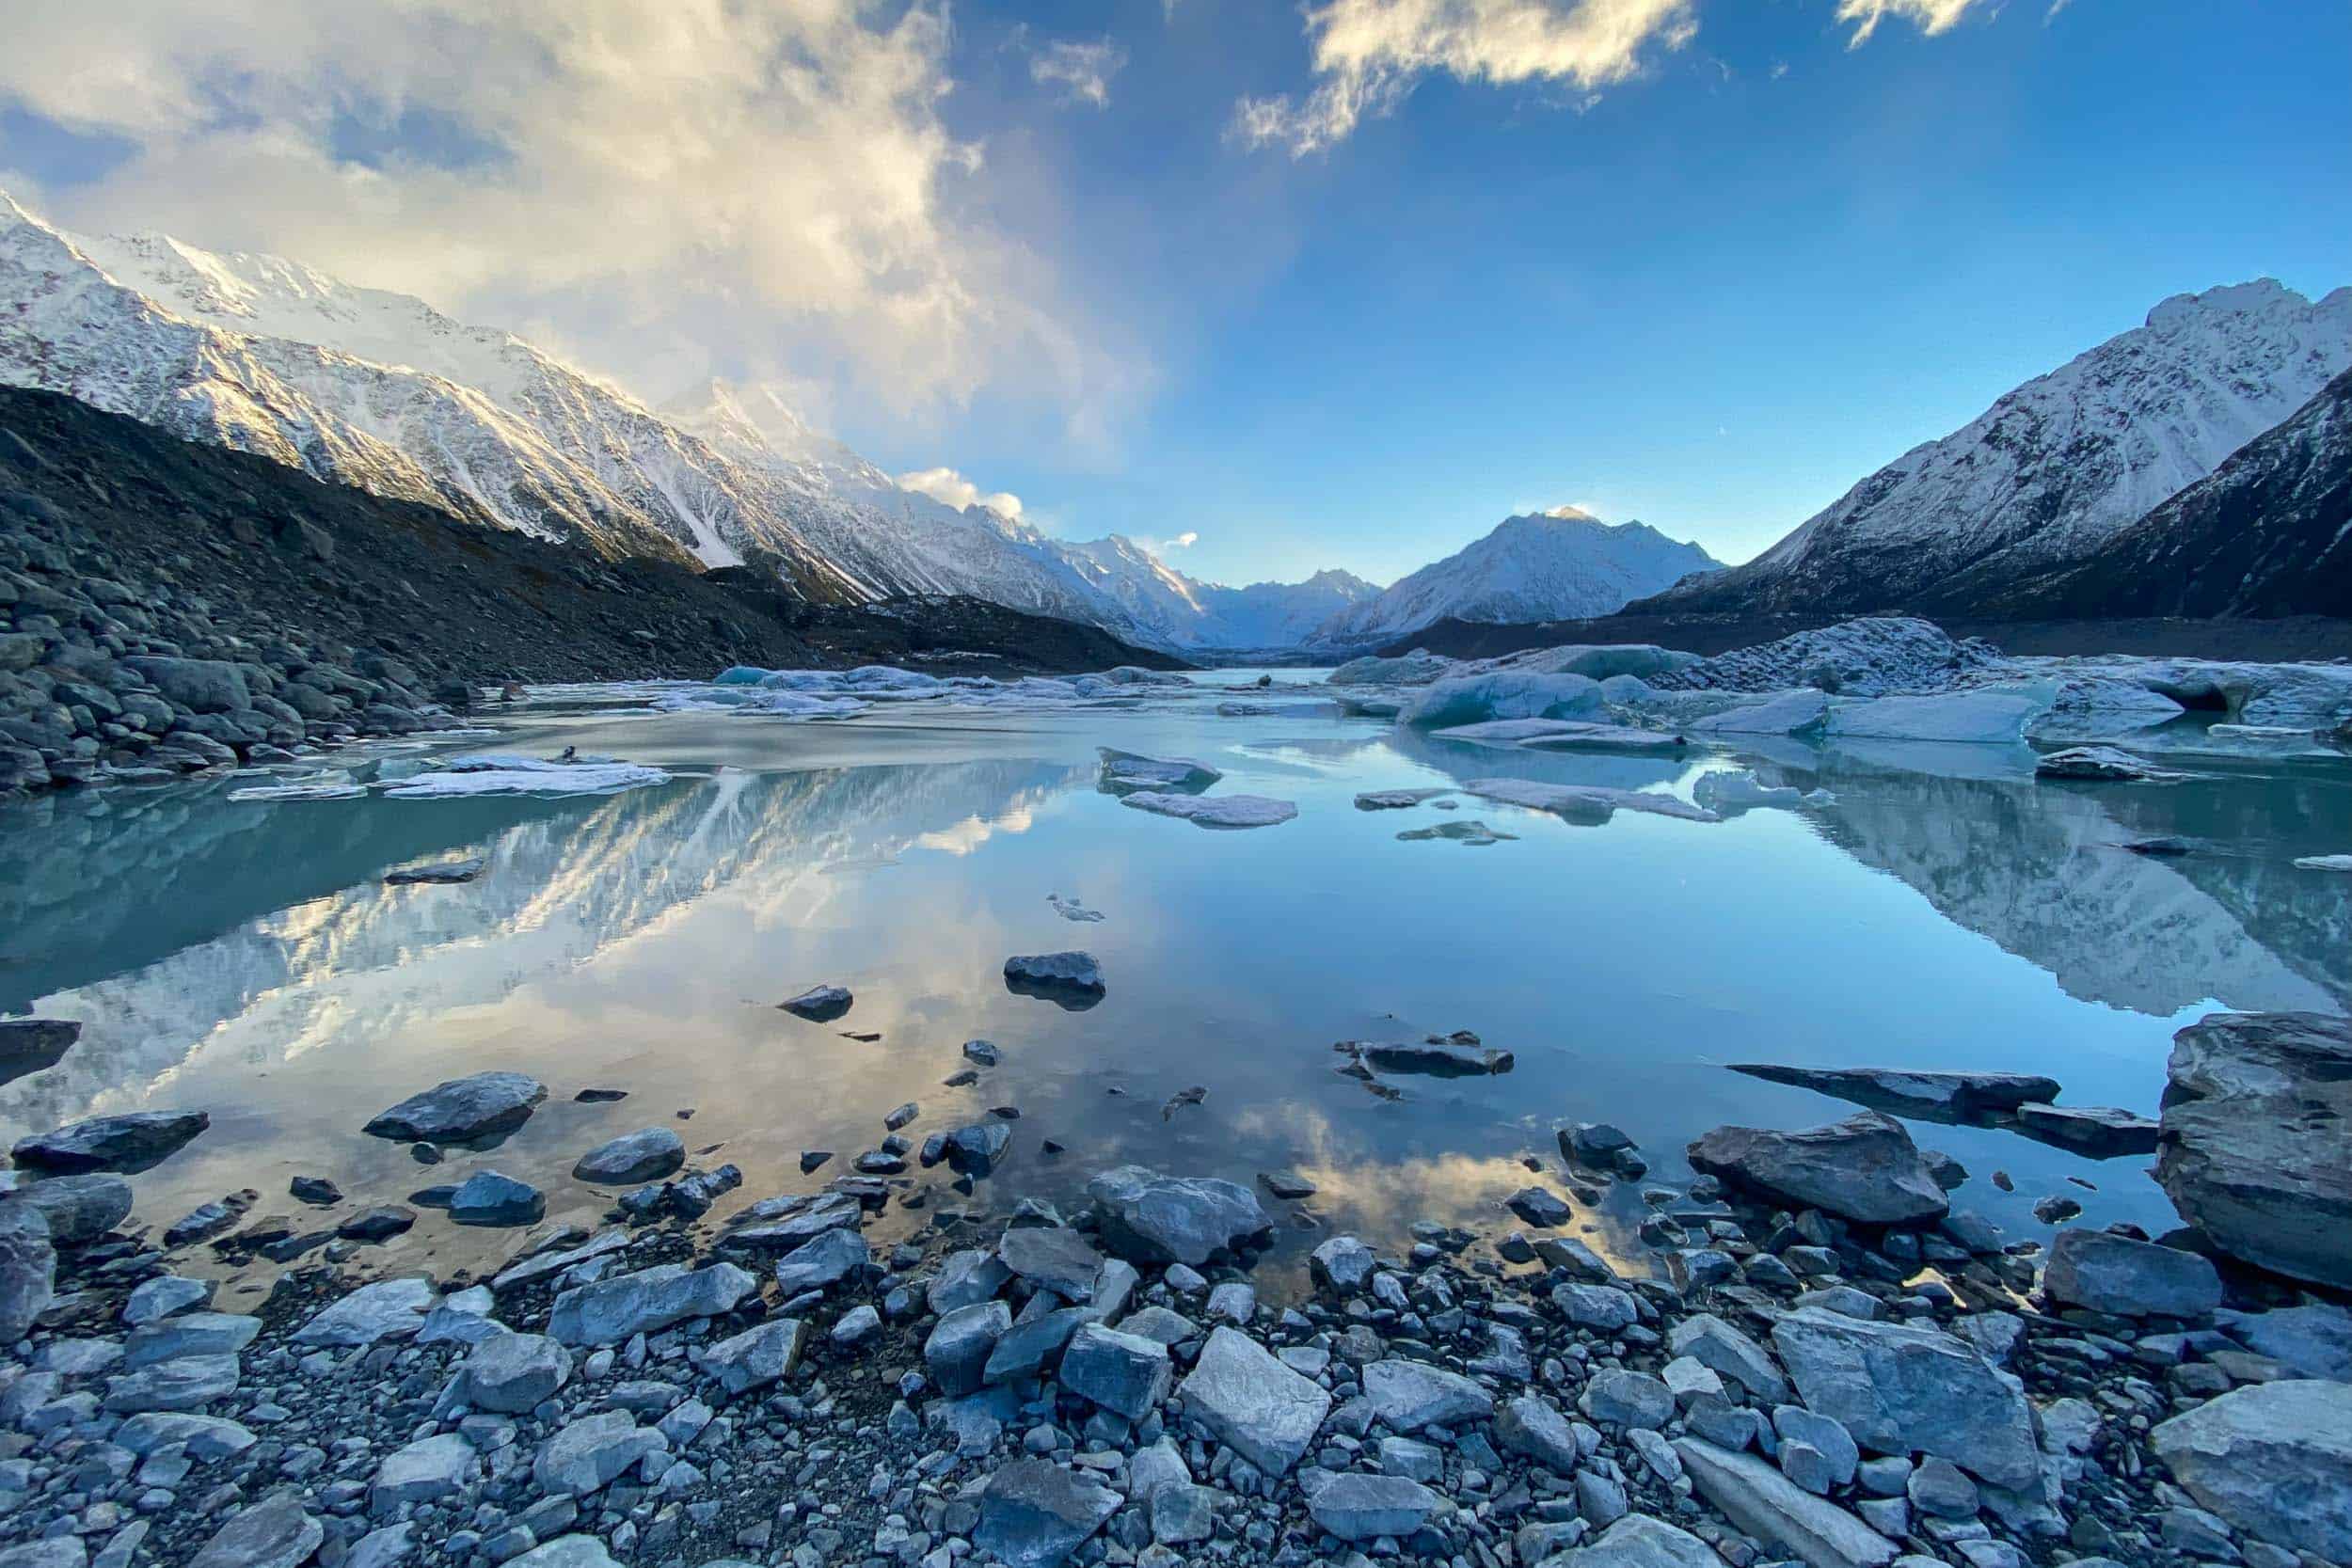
[2055,469]
[380,391]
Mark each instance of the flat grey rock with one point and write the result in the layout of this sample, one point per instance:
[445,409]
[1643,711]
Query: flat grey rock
[1149,1218]
[513,1373]
[276,1532]
[459,1110]
[1252,1402]
[1904,1389]
[2095,1131]
[956,1352]
[1638,1541]
[645,1155]
[1923,1096]
[1055,1257]
[79,1209]
[189,1334]
[387,1309]
[647,1301]
[2129,1278]
[1535,1428]
[135,1142]
[1769,1506]
[495,1199]
[187,1384]
[833,1256]
[425,1471]
[593,1452]
[28,1269]
[1355,1506]
[1034,1513]
[570,1551]
[758,1356]
[1411,1395]
[1864,1168]
[2274,1459]
[1124,1373]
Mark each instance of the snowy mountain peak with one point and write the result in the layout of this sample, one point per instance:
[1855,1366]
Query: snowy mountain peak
[1560,565]
[2060,465]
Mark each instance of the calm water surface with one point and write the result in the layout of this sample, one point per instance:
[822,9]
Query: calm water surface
[1947,911]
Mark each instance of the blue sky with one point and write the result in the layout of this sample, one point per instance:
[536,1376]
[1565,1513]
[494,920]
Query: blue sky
[1708,280]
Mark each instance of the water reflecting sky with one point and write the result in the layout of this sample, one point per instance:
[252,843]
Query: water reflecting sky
[1947,911]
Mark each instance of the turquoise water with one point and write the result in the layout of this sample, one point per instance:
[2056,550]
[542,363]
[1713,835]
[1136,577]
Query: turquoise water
[1946,912]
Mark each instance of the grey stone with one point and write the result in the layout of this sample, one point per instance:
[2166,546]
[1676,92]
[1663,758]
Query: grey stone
[2274,1459]
[1124,1373]
[1149,1218]
[571,1551]
[2098,1132]
[647,1301]
[191,1382]
[163,1295]
[1535,1428]
[204,1436]
[2251,1147]
[1053,1255]
[1035,1347]
[1638,1541]
[1628,1398]
[276,1532]
[1344,1263]
[1068,978]
[1834,1455]
[79,1207]
[1411,1395]
[645,1155]
[56,1551]
[1730,1354]
[965,1278]
[387,1309]
[135,1142]
[833,1256]
[2113,1274]
[425,1471]
[757,1356]
[2316,1338]
[28,1269]
[1355,1506]
[957,1350]
[1034,1513]
[1598,1306]
[1904,1389]
[1864,1168]
[1540,1206]
[1766,1504]
[460,1110]
[489,1198]
[1252,1402]
[514,1373]
[29,1045]
[592,1451]
[1183,1513]
[189,1334]
[1938,1489]
[1923,1096]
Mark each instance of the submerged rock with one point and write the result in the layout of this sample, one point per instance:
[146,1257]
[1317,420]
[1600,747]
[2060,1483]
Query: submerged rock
[1924,1096]
[489,1198]
[2098,764]
[1432,1057]
[1587,803]
[645,1155]
[439,872]
[460,1110]
[137,1141]
[2253,1140]
[1473,833]
[1864,1168]
[818,1003]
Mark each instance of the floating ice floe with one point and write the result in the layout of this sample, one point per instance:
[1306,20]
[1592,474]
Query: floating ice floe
[1133,771]
[1070,909]
[1354,704]
[1395,799]
[1782,713]
[1507,694]
[1215,811]
[333,785]
[1736,789]
[1574,736]
[1477,835]
[1246,709]
[765,702]
[1585,802]
[501,774]
[2325,863]
[2101,765]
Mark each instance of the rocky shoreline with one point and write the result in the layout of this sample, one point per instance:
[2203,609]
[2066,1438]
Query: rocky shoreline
[1815,1357]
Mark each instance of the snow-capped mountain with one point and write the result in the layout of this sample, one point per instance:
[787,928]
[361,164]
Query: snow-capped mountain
[378,390]
[1560,565]
[2060,466]
[1184,613]
[2269,533]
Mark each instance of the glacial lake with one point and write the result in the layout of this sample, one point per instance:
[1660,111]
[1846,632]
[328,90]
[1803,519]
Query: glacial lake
[246,959]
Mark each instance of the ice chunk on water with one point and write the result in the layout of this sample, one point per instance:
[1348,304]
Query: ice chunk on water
[1980,716]
[1215,811]
[1585,802]
[1477,835]
[1418,668]
[331,784]
[499,774]
[1738,789]
[1126,771]
[2325,863]
[1785,713]
[1504,694]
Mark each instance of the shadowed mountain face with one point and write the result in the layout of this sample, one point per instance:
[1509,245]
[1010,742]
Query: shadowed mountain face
[2268,533]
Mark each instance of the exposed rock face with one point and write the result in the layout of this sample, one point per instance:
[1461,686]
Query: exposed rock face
[1864,1168]
[1927,1096]
[2274,1459]
[2128,1278]
[1901,1390]
[2252,1142]
[459,1110]
[1151,1218]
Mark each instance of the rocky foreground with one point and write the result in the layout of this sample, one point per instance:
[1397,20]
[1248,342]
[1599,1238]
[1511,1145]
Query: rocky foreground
[1818,1358]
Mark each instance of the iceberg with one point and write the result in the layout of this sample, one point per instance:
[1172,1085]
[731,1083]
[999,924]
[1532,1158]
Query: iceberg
[332,785]
[1418,668]
[1215,811]
[1503,694]
[1476,835]
[1585,802]
[1396,799]
[1976,716]
[2325,863]
[764,701]
[1785,713]
[499,774]
[1132,770]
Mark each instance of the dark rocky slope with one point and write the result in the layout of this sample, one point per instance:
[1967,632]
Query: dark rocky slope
[167,604]
[2267,534]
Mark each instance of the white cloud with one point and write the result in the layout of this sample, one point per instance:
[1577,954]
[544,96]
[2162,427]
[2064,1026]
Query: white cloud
[1081,70]
[1367,55]
[671,187]
[1184,541]
[1932,16]
[953,489]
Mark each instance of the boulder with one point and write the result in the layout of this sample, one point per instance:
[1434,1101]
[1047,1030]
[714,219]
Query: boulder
[276,1532]
[1355,1506]
[1864,1168]
[1343,1264]
[1252,1402]
[1638,1541]
[79,1209]
[957,1350]
[2316,1338]
[2274,1459]
[460,1110]
[1923,1096]
[757,1356]
[1124,1373]
[1149,1218]
[28,1269]
[1034,1513]
[1901,1389]
[965,1278]
[610,1311]
[1072,980]
[820,1003]
[2127,1278]
[29,1045]
[514,1373]
[833,1256]
[593,1451]
[1535,1428]
[1054,1256]
[489,1198]
[2094,1132]
[1411,1395]
[135,1142]
[199,685]
[1769,1506]
[187,1384]
[646,1155]
[387,1309]
[425,1471]
[2251,1147]
[189,1334]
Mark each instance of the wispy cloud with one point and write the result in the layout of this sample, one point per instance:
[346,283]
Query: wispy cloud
[1369,54]
[1083,71]
[665,185]
[949,486]
[1932,16]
